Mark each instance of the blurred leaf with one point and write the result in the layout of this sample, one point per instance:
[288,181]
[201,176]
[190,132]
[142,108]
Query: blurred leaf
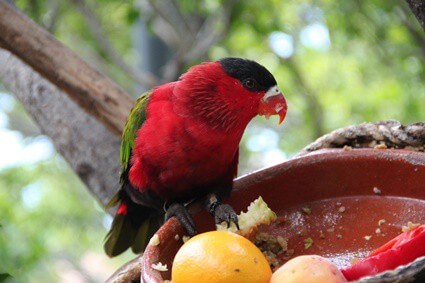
[4,276]
[132,15]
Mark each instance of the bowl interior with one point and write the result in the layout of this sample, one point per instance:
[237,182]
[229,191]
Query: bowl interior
[327,196]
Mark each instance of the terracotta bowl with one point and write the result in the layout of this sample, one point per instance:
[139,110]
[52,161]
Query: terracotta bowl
[338,187]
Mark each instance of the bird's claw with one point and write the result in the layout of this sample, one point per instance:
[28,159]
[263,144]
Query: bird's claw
[178,210]
[224,212]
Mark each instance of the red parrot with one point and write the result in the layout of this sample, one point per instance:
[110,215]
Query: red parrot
[180,144]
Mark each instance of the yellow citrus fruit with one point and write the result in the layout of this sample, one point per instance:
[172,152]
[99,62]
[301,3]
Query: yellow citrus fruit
[220,256]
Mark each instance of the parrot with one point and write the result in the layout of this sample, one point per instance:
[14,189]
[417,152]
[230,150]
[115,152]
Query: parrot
[180,144]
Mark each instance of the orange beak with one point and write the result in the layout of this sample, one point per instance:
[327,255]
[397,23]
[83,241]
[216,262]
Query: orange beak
[273,105]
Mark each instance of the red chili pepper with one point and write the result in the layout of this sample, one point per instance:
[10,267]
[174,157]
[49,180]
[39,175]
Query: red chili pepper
[401,250]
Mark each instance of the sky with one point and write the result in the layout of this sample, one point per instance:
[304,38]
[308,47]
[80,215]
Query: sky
[315,36]
[15,149]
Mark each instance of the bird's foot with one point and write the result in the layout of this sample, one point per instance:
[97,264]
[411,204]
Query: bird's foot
[178,210]
[222,212]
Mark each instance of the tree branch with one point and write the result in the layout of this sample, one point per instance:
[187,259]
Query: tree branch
[166,11]
[145,79]
[213,29]
[390,133]
[418,9]
[95,93]
[54,12]
[88,146]
[160,27]
[418,36]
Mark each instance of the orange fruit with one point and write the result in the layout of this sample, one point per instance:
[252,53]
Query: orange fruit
[220,256]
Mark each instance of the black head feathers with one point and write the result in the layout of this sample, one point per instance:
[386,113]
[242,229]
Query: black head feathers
[252,75]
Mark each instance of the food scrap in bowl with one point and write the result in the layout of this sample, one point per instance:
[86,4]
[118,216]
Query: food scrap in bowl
[409,226]
[281,239]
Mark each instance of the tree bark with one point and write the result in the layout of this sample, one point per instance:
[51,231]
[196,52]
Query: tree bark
[94,92]
[418,9]
[383,134]
[88,146]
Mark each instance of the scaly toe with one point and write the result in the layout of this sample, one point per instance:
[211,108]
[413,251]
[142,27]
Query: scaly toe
[178,210]
[225,212]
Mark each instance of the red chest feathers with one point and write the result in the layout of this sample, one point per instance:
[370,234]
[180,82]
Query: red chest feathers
[176,154]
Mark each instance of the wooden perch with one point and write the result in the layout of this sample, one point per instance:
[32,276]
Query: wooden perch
[91,90]
[383,134]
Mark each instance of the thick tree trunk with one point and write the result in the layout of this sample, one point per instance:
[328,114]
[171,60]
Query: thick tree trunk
[94,92]
[89,147]
[418,9]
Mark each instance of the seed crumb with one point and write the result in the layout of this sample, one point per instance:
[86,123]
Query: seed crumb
[367,238]
[376,191]
[380,222]
[347,148]
[177,237]
[331,230]
[306,210]
[283,243]
[154,241]
[380,146]
[341,209]
[378,231]
[308,243]
[410,226]
[185,239]
[159,266]
[339,236]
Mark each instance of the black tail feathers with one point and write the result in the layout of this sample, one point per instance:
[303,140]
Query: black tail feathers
[133,226]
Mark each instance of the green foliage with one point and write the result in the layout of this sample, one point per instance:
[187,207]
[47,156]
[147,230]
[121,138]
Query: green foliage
[49,223]
[4,277]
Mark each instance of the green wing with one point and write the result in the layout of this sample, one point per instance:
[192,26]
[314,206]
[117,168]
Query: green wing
[132,230]
[134,122]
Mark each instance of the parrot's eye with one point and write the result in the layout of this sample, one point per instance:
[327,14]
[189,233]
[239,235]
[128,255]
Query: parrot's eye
[250,83]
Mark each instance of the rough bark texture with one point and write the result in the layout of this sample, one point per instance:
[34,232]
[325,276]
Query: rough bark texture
[94,92]
[384,134]
[418,8]
[89,147]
